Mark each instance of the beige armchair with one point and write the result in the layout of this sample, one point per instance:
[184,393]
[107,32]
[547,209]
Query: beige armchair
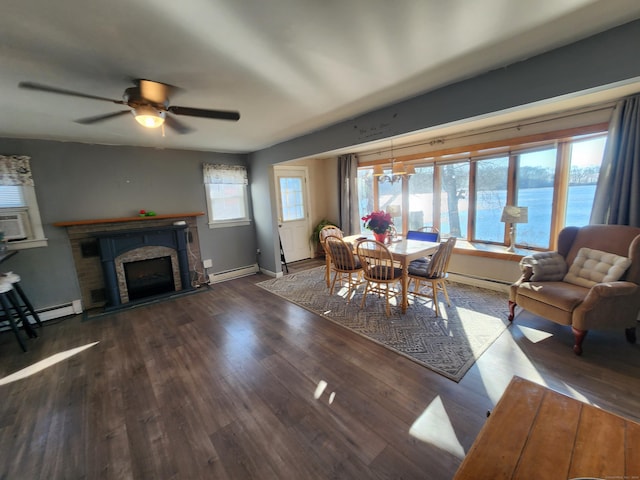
[582,286]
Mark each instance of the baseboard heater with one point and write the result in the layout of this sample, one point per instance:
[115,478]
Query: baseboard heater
[53,312]
[488,283]
[235,273]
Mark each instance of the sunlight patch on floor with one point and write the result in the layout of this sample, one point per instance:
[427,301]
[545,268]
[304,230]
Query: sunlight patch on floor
[577,395]
[533,335]
[433,426]
[320,388]
[510,356]
[42,364]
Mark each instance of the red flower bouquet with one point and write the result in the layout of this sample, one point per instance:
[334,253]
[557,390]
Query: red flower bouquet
[378,222]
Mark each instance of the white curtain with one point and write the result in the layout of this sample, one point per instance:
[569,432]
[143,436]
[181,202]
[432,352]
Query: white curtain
[236,174]
[15,170]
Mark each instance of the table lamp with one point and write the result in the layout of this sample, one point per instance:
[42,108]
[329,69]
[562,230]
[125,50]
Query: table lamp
[512,215]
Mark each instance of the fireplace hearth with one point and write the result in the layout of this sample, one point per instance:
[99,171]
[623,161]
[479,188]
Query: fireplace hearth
[143,262]
[148,278]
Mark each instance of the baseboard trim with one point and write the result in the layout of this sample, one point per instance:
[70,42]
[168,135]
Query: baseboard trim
[53,312]
[231,274]
[496,285]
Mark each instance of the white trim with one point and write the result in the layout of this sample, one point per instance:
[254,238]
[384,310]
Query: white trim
[36,238]
[236,273]
[480,282]
[57,311]
[230,223]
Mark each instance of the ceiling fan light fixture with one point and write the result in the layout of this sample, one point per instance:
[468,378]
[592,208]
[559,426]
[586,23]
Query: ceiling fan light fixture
[148,116]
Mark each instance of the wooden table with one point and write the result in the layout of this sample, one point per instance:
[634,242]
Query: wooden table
[536,433]
[404,251]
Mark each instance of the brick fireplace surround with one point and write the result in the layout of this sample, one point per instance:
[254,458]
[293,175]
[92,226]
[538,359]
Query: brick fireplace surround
[92,241]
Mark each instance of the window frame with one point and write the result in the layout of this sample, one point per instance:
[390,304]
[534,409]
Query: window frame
[475,153]
[233,222]
[36,236]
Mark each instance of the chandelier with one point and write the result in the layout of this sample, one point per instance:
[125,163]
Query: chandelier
[398,171]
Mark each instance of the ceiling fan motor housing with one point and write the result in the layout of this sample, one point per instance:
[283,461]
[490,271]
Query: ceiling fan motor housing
[133,97]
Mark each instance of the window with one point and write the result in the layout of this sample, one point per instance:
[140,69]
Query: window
[291,198]
[463,194]
[454,208]
[20,222]
[365,191]
[534,190]
[584,168]
[421,198]
[490,197]
[227,199]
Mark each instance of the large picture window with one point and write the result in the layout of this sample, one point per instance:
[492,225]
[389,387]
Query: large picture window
[463,194]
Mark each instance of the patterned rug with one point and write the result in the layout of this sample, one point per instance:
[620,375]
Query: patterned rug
[448,345]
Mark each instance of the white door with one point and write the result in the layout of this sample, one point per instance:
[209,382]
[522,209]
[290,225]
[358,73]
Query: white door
[293,220]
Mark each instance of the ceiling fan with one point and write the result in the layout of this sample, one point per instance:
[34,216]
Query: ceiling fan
[148,101]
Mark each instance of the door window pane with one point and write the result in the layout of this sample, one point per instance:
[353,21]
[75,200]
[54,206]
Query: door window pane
[454,206]
[536,172]
[491,197]
[291,198]
[421,198]
[586,159]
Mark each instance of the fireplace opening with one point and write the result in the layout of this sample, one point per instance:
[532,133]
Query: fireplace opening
[146,278]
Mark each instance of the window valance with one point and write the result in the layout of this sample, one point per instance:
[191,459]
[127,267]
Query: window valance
[226,174]
[15,170]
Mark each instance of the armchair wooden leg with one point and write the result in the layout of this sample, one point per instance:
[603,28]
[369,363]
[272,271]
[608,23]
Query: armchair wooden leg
[630,333]
[512,310]
[578,339]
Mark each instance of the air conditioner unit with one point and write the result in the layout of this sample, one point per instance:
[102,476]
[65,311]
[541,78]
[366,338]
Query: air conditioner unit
[14,225]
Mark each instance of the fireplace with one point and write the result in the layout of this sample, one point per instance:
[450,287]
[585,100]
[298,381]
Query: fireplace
[148,278]
[143,263]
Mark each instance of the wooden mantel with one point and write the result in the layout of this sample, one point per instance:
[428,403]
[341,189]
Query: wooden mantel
[139,218]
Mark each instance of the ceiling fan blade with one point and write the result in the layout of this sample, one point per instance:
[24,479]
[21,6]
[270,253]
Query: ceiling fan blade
[46,88]
[155,92]
[177,125]
[101,118]
[199,112]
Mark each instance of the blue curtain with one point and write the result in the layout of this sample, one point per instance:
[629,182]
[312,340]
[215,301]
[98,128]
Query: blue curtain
[617,198]
[348,194]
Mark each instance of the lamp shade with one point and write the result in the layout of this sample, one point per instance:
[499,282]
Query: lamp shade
[398,168]
[377,171]
[513,214]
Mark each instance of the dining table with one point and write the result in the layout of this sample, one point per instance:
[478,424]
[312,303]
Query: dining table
[404,252]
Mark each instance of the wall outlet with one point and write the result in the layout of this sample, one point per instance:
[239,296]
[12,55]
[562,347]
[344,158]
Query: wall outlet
[258,252]
[207,263]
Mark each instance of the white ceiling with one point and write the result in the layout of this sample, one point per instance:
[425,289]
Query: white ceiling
[288,66]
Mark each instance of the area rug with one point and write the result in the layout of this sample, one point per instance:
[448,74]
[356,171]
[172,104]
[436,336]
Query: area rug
[448,345]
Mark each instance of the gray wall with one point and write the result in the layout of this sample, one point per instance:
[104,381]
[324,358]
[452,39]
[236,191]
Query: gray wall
[77,182]
[594,62]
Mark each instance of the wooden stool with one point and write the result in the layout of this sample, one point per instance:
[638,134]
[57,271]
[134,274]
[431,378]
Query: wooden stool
[11,306]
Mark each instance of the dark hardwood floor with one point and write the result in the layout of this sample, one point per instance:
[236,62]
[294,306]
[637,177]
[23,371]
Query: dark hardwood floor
[220,384]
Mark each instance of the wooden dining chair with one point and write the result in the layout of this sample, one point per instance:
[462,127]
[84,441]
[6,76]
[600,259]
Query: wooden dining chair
[344,264]
[432,274]
[379,271]
[322,235]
